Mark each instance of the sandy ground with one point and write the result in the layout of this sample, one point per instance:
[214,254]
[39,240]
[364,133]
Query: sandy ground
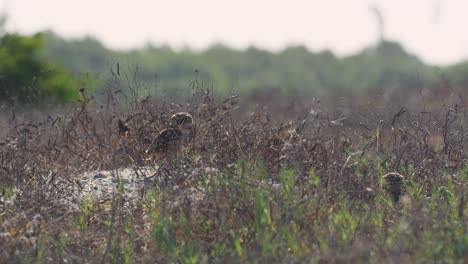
[105,184]
[135,183]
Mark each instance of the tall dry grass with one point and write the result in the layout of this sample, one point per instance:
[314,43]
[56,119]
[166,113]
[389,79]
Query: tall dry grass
[265,178]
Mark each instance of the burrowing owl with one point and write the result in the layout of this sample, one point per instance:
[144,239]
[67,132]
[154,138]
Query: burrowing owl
[393,184]
[171,140]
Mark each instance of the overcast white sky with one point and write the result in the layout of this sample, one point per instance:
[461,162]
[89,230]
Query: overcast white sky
[436,30]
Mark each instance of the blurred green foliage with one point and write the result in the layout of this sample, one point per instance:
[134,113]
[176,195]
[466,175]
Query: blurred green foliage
[30,70]
[292,70]
[26,77]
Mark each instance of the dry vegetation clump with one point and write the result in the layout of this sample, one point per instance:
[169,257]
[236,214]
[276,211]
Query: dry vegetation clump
[306,181]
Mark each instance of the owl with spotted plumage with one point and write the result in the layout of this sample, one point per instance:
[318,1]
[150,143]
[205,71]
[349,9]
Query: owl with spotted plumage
[171,141]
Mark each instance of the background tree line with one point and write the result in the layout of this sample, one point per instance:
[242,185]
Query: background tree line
[47,66]
[294,69]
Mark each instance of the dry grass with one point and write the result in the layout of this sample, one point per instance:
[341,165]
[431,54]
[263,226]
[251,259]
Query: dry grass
[286,181]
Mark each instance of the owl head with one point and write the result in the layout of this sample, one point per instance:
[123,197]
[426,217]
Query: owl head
[181,120]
